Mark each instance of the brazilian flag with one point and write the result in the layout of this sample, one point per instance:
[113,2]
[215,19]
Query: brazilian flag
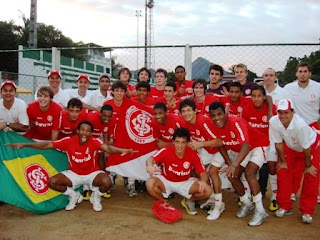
[24,175]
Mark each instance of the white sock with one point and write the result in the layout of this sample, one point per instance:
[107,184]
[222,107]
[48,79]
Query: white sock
[70,192]
[131,181]
[245,199]
[273,186]
[257,199]
[218,199]
[97,191]
[211,198]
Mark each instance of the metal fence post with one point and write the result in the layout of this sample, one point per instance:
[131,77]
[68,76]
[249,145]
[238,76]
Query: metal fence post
[56,61]
[188,60]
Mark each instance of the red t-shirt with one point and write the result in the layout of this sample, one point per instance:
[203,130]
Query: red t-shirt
[82,158]
[176,169]
[101,128]
[201,131]
[155,93]
[165,131]
[42,123]
[67,127]
[150,102]
[187,93]
[203,107]
[235,109]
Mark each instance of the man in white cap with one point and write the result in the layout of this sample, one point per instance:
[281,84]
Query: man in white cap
[297,147]
[13,114]
[59,95]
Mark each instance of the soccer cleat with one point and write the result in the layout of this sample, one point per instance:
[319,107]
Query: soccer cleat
[258,218]
[218,209]
[189,206]
[131,190]
[86,195]
[73,201]
[282,212]
[307,218]
[274,205]
[318,199]
[293,197]
[244,210]
[106,195]
[95,200]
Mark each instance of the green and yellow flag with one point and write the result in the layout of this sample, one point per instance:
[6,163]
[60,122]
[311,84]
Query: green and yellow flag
[24,175]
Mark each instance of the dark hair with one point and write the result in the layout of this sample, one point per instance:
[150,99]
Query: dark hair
[200,81]
[181,132]
[160,105]
[187,103]
[217,105]
[143,84]
[161,70]
[234,84]
[171,84]
[146,70]
[179,66]
[123,70]
[46,89]
[85,122]
[119,84]
[74,102]
[217,68]
[104,75]
[303,64]
[258,87]
[106,107]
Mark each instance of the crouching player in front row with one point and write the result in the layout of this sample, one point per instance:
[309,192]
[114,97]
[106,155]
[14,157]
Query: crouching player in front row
[178,161]
[82,151]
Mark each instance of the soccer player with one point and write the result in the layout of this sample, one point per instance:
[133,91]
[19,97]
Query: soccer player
[241,73]
[125,75]
[144,74]
[178,161]
[143,89]
[164,124]
[295,141]
[44,117]
[59,95]
[160,77]
[184,87]
[245,154]
[215,76]
[82,152]
[170,99]
[13,114]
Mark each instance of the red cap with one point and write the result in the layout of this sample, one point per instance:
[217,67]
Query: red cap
[54,72]
[84,76]
[284,105]
[8,83]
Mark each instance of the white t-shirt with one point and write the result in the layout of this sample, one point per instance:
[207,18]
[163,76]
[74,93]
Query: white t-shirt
[73,93]
[277,94]
[97,99]
[306,101]
[298,136]
[61,98]
[16,114]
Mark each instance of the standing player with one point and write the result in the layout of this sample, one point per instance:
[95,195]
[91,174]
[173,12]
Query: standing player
[59,95]
[215,76]
[178,161]
[125,75]
[82,93]
[169,99]
[241,72]
[143,89]
[82,152]
[160,77]
[184,87]
[144,74]
[295,141]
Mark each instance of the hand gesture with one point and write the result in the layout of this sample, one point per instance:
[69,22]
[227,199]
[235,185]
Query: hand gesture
[15,145]
[126,151]
[311,170]
[230,171]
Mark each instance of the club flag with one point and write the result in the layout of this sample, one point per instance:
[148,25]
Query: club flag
[24,175]
[133,130]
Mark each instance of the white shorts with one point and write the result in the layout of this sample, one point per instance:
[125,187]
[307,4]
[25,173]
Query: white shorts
[272,155]
[256,155]
[79,180]
[205,157]
[182,188]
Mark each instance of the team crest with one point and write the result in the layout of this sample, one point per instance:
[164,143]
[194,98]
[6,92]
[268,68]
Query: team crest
[16,120]
[37,178]
[138,125]
[206,108]
[197,132]
[313,96]
[248,91]
[239,109]
[232,134]
[49,118]
[265,118]
[171,131]
[186,165]
[105,129]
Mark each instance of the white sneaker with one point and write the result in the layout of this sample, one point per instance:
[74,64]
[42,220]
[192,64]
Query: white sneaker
[73,201]
[258,218]
[95,200]
[206,203]
[244,210]
[307,218]
[293,197]
[131,190]
[318,199]
[282,212]
[218,209]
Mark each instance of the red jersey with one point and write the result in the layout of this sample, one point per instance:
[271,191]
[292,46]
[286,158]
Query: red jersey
[43,122]
[203,107]
[201,131]
[237,132]
[155,93]
[175,109]
[68,127]
[99,128]
[235,109]
[150,102]
[178,169]
[82,158]
[165,131]
[188,92]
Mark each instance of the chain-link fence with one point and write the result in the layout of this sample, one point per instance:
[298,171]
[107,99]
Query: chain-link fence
[29,67]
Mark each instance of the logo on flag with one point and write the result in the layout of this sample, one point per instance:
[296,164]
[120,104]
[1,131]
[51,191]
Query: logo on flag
[37,177]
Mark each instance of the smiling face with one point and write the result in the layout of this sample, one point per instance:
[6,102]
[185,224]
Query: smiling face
[44,99]
[160,115]
[8,92]
[54,80]
[84,133]
[124,76]
[168,93]
[285,117]
[241,74]
[119,94]
[189,114]
[218,117]
[73,113]
[105,116]
[142,93]
[180,144]
[235,94]
[83,84]
[214,76]
[258,98]
[144,76]
[269,77]
[104,83]
[199,90]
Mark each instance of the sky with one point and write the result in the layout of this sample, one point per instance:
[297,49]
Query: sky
[114,22]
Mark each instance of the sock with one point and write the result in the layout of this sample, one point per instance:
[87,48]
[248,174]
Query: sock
[211,198]
[245,199]
[70,192]
[131,181]
[218,199]
[273,186]
[97,191]
[257,199]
